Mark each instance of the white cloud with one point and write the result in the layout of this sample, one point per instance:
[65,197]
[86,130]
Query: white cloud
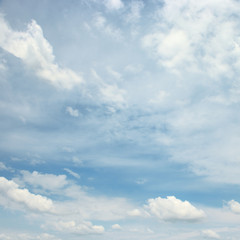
[102,25]
[210,234]
[234,206]
[3,66]
[114,4]
[74,174]
[111,93]
[141,181]
[114,73]
[135,11]
[133,68]
[27,236]
[77,228]
[197,36]
[36,52]
[2,166]
[45,181]
[116,227]
[171,209]
[13,196]
[72,112]
[135,213]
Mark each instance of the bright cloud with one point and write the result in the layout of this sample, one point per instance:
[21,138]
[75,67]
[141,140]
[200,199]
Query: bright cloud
[187,38]
[12,195]
[37,53]
[172,209]
[234,206]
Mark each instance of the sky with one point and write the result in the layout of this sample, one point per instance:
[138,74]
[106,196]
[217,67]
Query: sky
[119,119]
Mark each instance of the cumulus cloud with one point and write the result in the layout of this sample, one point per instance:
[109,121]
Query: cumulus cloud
[36,52]
[72,112]
[13,196]
[210,234]
[77,228]
[234,206]
[172,209]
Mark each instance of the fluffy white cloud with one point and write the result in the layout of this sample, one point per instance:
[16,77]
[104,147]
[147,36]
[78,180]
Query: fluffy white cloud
[197,36]
[36,52]
[45,181]
[234,206]
[210,234]
[171,209]
[114,4]
[13,196]
[73,227]
[72,112]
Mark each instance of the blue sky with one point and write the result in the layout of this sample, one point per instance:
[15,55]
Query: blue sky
[119,119]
